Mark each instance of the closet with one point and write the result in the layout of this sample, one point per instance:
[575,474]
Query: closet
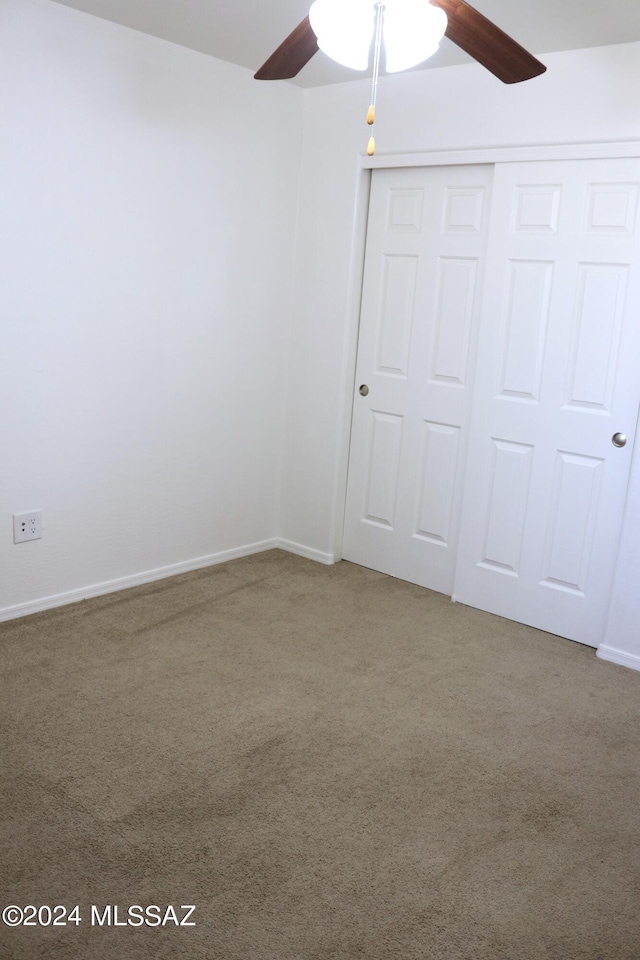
[497,384]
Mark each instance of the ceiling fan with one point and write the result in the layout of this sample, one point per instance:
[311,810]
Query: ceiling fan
[465,26]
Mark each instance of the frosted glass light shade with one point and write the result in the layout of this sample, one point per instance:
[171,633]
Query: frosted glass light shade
[344,29]
[413,30]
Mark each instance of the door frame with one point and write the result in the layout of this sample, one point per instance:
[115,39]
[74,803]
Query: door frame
[366,165]
[561,151]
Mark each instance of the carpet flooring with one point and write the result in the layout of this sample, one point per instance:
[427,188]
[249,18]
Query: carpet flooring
[328,763]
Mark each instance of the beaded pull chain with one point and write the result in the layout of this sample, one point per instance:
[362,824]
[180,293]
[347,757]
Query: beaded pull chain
[371,113]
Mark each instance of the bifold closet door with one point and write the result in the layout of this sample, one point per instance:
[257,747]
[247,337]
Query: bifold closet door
[556,395]
[423,280]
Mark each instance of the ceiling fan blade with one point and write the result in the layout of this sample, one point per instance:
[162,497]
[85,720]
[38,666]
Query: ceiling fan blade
[292,54]
[488,44]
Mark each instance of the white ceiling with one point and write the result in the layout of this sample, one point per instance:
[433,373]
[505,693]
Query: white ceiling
[246,32]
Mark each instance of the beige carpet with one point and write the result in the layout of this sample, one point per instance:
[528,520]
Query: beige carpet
[328,763]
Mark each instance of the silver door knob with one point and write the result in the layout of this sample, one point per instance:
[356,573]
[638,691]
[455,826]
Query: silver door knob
[364,390]
[619,439]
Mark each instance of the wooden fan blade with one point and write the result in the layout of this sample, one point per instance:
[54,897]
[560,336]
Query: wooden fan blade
[292,54]
[488,44]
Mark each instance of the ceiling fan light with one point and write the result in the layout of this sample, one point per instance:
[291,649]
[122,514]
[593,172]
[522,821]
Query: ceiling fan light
[413,30]
[344,29]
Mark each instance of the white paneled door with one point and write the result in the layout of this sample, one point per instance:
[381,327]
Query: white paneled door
[556,394]
[421,295]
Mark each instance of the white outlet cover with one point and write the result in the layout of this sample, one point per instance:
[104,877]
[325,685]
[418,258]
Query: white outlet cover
[27,526]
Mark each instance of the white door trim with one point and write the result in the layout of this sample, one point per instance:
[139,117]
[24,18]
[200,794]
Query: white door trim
[559,151]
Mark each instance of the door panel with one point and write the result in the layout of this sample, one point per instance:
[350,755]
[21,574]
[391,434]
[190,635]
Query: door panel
[557,376]
[423,274]
[382,470]
[510,482]
[395,314]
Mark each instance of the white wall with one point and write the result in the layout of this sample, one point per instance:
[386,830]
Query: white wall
[586,95]
[148,201]
[621,642]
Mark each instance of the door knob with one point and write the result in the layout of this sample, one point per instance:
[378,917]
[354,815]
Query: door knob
[619,439]
[364,390]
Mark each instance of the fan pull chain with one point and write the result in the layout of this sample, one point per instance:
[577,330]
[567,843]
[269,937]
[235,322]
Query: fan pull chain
[371,113]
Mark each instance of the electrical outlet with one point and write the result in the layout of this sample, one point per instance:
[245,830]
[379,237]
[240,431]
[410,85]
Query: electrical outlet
[27,526]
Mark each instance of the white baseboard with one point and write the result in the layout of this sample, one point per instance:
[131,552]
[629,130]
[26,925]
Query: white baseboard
[618,656]
[135,580]
[148,576]
[301,551]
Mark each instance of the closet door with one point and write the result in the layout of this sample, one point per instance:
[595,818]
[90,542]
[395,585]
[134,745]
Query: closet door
[556,395]
[423,278]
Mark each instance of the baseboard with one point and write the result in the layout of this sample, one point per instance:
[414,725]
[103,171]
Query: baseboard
[137,579]
[301,551]
[619,657]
